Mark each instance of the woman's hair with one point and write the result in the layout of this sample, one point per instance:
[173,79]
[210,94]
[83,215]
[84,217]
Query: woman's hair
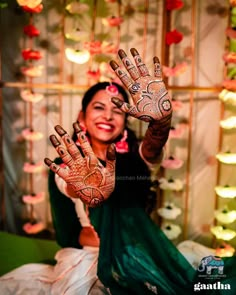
[88,96]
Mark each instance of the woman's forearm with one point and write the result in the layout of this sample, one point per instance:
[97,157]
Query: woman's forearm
[155,139]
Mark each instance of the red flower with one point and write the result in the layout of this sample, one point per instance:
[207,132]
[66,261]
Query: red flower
[31,31]
[174,4]
[173,37]
[31,54]
[36,9]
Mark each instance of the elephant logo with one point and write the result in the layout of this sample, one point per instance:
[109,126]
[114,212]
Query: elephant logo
[211,262]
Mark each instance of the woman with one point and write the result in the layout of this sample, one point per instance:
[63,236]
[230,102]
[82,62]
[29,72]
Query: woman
[135,257]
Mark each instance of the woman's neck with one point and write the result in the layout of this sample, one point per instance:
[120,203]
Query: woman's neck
[100,150]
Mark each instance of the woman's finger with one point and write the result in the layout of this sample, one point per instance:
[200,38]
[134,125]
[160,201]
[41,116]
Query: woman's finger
[61,150]
[128,65]
[124,106]
[125,79]
[157,68]
[85,145]
[111,159]
[139,63]
[69,143]
[62,172]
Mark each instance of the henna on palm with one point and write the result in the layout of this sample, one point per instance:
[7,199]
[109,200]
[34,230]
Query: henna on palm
[151,101]
[84,174]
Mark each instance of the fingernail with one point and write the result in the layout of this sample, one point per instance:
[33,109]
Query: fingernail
[60,130]
[134,51]
[76,127]
[117,101]
[48,162]
[114,65]
[54,140]
[156,59]
[121,53]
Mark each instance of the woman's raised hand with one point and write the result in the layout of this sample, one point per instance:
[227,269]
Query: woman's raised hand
[151,100]
[84,174]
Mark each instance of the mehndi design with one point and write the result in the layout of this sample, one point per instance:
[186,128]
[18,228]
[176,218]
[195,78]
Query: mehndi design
[151,99]
[84,174]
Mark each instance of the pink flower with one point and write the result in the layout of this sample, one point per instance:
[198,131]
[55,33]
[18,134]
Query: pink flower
[33,228]
[32,71]
[230,57]
[94,74]
[229,84]
[33,168]
[173,37]
[172,163]
[30,96]
[31,135]
[112,21]
[93,47]
[175,71]
[34,198]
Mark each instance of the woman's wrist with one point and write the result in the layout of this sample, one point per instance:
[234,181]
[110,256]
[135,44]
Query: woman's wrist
[155,139]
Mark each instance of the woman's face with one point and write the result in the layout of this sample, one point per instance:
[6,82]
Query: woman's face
[103,120]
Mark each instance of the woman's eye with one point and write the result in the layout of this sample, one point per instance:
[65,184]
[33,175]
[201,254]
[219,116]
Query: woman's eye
[98,108]
[118,111]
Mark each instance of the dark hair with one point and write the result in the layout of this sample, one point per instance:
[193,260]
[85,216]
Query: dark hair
[88,96]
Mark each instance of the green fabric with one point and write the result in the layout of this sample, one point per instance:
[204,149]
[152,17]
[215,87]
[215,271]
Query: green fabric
[18,250]
[65,220]
[135,256]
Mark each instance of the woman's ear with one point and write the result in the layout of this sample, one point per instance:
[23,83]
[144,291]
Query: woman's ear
[81,120]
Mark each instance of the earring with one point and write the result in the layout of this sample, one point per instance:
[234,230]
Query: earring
[122,146]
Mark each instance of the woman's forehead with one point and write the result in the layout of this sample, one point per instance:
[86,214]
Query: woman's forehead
[103,96]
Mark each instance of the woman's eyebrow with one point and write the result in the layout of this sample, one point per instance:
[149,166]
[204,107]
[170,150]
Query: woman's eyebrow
[98,102]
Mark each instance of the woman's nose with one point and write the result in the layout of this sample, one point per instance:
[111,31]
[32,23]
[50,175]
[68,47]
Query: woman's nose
[108,115]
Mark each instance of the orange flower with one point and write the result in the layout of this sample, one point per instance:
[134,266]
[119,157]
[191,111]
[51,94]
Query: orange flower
[36,9]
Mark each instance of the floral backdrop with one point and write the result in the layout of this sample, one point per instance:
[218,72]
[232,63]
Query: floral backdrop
[51,51]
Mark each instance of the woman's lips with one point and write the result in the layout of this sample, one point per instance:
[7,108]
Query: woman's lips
[105,127]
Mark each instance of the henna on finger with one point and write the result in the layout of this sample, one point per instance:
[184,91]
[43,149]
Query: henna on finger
[125,79]
[157,68]
[61,150]
[139,63]
[128,65]
[62,172]
[69,143]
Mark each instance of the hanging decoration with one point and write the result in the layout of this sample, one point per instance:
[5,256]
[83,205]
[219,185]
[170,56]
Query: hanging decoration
[171,184]
[227,96]
[172,231]
[169,211]
[30,70]
[172,163]
[226,191]
[227,158]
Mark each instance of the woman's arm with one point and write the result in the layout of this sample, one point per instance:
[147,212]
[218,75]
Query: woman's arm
[151,102]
